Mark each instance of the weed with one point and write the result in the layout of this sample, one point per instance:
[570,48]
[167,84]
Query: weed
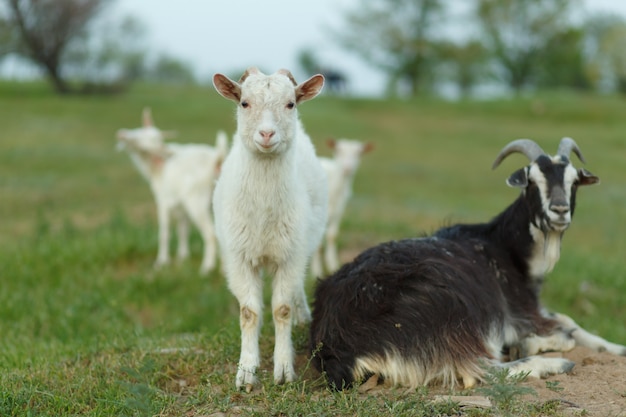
[554,386]
[505,389]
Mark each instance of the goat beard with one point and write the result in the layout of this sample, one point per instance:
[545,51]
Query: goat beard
[546,225]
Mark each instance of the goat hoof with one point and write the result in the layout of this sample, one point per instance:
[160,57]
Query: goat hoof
[557,366]
[283,374]
[206,268]
[369,385]
[159,264]
[245,380]
[514,353]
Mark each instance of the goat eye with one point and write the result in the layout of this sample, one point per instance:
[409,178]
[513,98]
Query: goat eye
[244,104]
[291,105]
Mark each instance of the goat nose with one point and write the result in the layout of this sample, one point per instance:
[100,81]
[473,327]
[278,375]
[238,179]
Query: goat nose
[267,135]
[560,208]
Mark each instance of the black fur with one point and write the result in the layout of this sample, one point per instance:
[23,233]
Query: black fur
[435,299]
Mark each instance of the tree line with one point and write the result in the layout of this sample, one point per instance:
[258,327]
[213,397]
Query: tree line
[522,44]
[419,44]
[80,53]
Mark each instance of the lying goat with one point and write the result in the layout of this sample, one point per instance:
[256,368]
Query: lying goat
[442,307]
[182,178]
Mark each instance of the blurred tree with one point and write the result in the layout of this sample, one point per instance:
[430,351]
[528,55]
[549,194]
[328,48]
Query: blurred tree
[41,31]
[113,53]
[562,62]
[6,37]
[466,63]
[336,80]
[605,36]
[395,36]
[308,62]
[171,70]
[518,32]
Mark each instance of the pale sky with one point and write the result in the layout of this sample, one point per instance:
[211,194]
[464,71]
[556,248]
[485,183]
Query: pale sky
[231,35]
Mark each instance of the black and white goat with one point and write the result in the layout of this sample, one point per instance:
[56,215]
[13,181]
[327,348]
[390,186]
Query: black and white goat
[439,308]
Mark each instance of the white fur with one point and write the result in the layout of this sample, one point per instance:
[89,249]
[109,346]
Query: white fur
[546,252]
[559,341]
[586,339]
[340,170]
[270,207]
[538,366]
[182,178]
[401,371]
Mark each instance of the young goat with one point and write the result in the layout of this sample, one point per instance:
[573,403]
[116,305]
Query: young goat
[340,171]
[441,307]
[181,177]
[270,208]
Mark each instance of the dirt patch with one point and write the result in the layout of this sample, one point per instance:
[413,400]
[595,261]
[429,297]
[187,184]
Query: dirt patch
[596,385]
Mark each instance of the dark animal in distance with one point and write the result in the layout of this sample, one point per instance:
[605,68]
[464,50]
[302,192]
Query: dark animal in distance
[441,308]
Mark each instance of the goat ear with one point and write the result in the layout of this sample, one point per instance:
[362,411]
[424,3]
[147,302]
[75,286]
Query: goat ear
[309,89]
[227,88]
[586,178]
[518,179]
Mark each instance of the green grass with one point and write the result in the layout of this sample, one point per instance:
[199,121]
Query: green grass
[85,320]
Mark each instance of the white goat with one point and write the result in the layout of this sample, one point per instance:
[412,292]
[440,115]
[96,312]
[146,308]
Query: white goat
[340,171]
[270,210]
[182,178]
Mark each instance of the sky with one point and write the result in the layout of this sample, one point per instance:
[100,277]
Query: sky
[231,35]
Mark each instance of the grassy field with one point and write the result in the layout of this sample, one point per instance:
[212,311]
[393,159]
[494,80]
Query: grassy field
[88,328]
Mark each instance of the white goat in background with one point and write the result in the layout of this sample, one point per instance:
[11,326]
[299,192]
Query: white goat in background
[182,178]
[270,208]
[340,170]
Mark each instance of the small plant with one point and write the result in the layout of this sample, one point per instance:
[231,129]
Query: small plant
[140,391]
[548,408]
[504,389]
[554,386]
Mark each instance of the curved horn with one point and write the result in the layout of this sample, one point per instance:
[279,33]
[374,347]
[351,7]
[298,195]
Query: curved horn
[566,146]
[525,146]
[288,74]
[249,71]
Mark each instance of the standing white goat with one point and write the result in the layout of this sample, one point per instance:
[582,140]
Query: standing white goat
[270,208]
[182,178]
[340,171]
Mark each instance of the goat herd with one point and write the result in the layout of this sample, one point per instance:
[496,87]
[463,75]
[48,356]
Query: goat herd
[436,309]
